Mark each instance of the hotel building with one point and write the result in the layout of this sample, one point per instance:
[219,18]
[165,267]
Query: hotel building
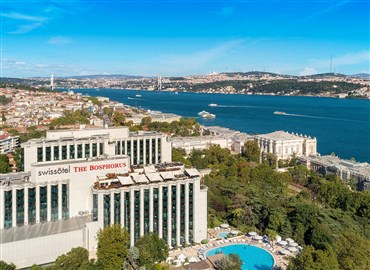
[75,182]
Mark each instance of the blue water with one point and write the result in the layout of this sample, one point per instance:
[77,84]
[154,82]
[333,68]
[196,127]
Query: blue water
[340,125]
[223,234]
[253,258]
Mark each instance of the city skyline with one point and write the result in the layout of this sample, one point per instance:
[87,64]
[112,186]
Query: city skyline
[170,38]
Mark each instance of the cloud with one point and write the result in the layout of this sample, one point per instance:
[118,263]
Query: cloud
[22,29]
[346,59]
[59,40]
[326,10]
[308,71]
[23,17]
[199,58]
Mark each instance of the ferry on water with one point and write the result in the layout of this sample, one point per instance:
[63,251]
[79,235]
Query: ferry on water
[205,114]
[137,95]
[281,113]
[212,105]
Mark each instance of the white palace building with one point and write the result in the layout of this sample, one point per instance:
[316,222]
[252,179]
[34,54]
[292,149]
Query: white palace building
[75,182]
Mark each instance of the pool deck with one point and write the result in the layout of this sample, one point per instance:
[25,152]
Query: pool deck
[193,251]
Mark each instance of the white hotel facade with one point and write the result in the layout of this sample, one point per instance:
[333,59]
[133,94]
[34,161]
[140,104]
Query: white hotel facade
[78,181]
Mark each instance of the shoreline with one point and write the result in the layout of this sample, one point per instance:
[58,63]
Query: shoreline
[221,93]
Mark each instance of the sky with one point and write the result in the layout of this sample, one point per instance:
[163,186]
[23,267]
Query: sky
[184,37]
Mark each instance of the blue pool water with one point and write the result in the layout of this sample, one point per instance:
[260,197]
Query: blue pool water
[253,258]
[223,234]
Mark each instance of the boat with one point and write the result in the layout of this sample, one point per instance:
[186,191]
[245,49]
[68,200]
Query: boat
[212,105]
[205,114]
[209,116]
[202,112]
[137,95]
[281,113]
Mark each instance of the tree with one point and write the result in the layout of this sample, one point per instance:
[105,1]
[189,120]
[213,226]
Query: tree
[353,251]
[311,259]
[6,266]
[146,121]
[252,151]
[113,242]
[229,262]
[76,258]
[4,164]
[152,249]
[119,119]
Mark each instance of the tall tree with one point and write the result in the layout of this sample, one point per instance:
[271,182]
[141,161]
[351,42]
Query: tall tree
[77,258]
[152,249]
[7,266]
[353,251]
[252,151]
[113,242]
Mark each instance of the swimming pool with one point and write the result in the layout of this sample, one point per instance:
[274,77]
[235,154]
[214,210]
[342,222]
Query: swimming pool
[253,258]
[223,234]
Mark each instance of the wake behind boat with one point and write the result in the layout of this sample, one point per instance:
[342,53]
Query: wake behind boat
[280,113]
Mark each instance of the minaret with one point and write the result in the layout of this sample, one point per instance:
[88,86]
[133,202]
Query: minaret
[52,81]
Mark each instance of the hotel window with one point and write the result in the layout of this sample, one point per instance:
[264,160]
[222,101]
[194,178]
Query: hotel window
[147,148]
[56,152]
[54,202]
[159,150]
[87,150]
[123,148]
[101,148]
[39,154]
[164,212]
[106,202]
[64,152]
[118,148]
[43,204]
[31,205]
[126,214]
[117,208]
[292,149]
[153,151]
[94,150]
[20,207]
[135,152]
[95,207]
[71,152]
[191,211]
[136,215]
[65,208]
[173,215]
[129,148]
[79,151]
[286,150]
[146,211]
[182,213]
[141,152]
[48,153]
[155,210]
[8,212]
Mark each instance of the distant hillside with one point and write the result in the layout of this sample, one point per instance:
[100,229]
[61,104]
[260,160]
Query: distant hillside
[362,75]
[109,76]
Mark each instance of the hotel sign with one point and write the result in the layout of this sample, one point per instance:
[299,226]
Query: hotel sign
[76,169]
